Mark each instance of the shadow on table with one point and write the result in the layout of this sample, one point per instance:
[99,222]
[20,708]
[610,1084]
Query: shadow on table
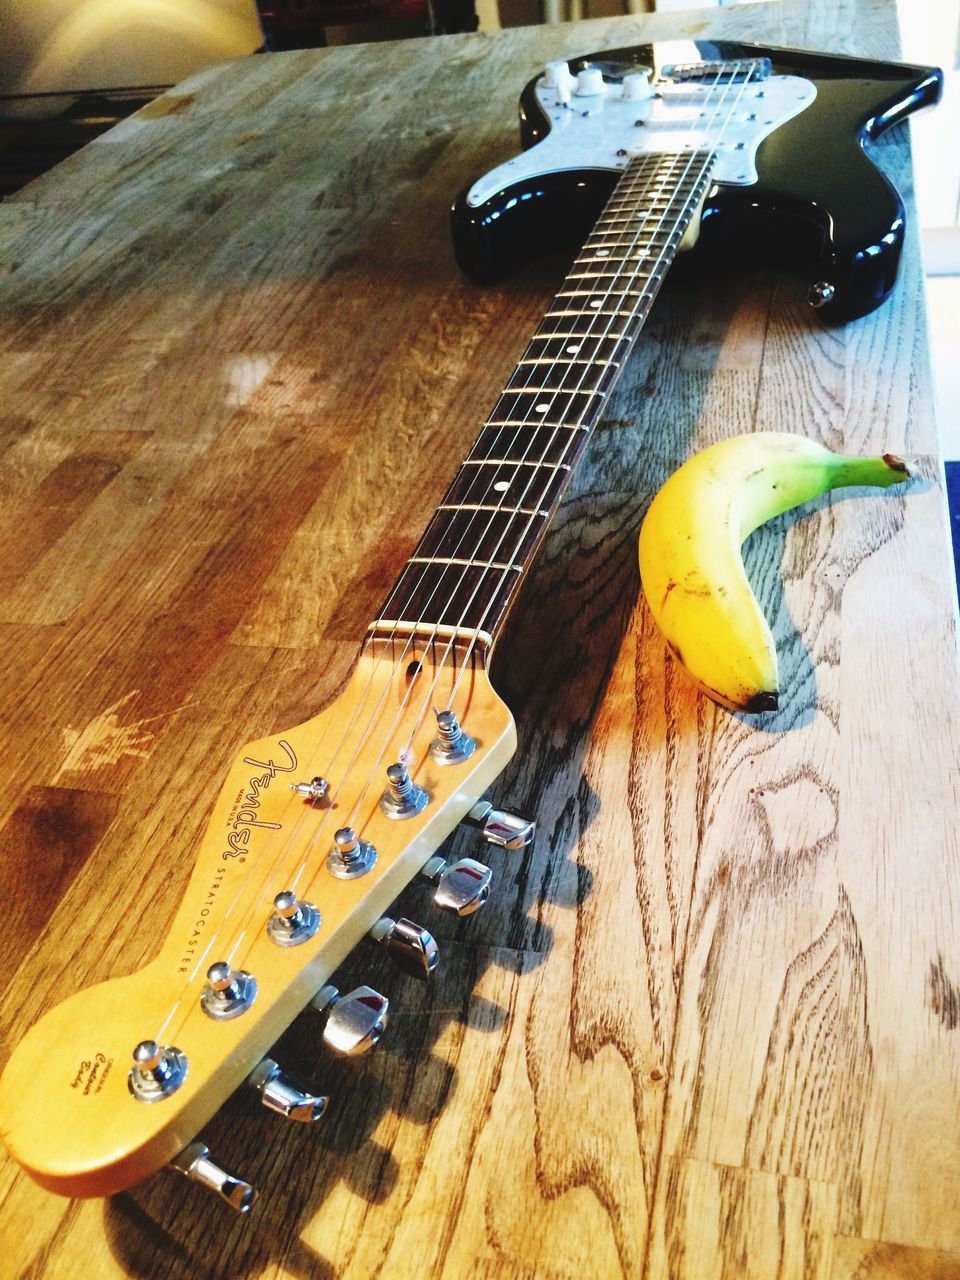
[553,665]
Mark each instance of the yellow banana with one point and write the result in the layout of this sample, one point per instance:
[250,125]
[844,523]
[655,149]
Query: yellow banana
[690,560]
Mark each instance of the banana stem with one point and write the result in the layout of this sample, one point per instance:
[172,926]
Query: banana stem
[879,472]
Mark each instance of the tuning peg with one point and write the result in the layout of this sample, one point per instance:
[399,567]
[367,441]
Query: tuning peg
[278,1093]
[355,1022]
[157,1070]
[462,886]
[292,921]
[403,798]
[500,827]
[411,948]
[196,1164]
[228,992]
[451,745]
[350,856]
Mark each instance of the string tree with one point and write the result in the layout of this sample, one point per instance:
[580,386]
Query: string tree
[315,791]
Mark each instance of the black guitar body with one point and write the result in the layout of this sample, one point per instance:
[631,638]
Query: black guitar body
[819,203]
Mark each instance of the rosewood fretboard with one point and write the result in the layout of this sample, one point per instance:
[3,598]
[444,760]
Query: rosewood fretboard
[465,571]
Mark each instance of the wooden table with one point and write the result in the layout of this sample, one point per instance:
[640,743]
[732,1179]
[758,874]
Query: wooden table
[709,1025]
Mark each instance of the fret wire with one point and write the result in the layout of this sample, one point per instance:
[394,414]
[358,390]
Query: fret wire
[572,360]
[481,506]
[514,462]
[630,303]
[473,564]
[536,391]
[638,314]
[549,337]
[519,422]
[588,293]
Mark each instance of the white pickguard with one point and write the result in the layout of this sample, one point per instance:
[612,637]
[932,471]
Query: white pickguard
[605,130]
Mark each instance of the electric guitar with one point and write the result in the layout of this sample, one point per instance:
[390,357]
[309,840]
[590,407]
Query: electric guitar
[638,157]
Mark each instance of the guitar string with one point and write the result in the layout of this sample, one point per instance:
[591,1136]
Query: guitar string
[449,647]
[618,192]
[549,395]
[691,158]
[704,171]
[662,179]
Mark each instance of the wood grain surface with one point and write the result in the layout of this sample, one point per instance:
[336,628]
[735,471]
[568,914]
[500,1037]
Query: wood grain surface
[708,1026]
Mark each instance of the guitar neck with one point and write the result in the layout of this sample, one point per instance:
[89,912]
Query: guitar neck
[465,571]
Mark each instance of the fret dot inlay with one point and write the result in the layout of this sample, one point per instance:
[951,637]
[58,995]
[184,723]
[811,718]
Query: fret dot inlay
[465,570]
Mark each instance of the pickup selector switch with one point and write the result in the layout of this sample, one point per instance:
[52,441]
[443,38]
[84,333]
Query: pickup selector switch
[558,75]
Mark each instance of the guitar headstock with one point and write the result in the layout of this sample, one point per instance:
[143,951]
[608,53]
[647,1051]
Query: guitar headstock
[315,831]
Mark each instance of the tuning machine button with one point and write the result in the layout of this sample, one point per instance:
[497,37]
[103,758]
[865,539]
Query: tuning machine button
[500,827]
[411,948]
[350,856]
[281,1095]
[589,83]
[403,798]
[196,1164]
[228,992]
[451,745]
[355,1022]
[156,1072]
[292,921]
[462,886]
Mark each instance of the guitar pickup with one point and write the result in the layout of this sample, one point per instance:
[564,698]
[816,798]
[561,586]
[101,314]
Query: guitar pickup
[752,69]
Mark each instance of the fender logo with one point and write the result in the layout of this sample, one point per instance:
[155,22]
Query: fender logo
[247,816]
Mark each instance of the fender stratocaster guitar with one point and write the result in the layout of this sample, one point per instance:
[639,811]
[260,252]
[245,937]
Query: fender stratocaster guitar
[635,156]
